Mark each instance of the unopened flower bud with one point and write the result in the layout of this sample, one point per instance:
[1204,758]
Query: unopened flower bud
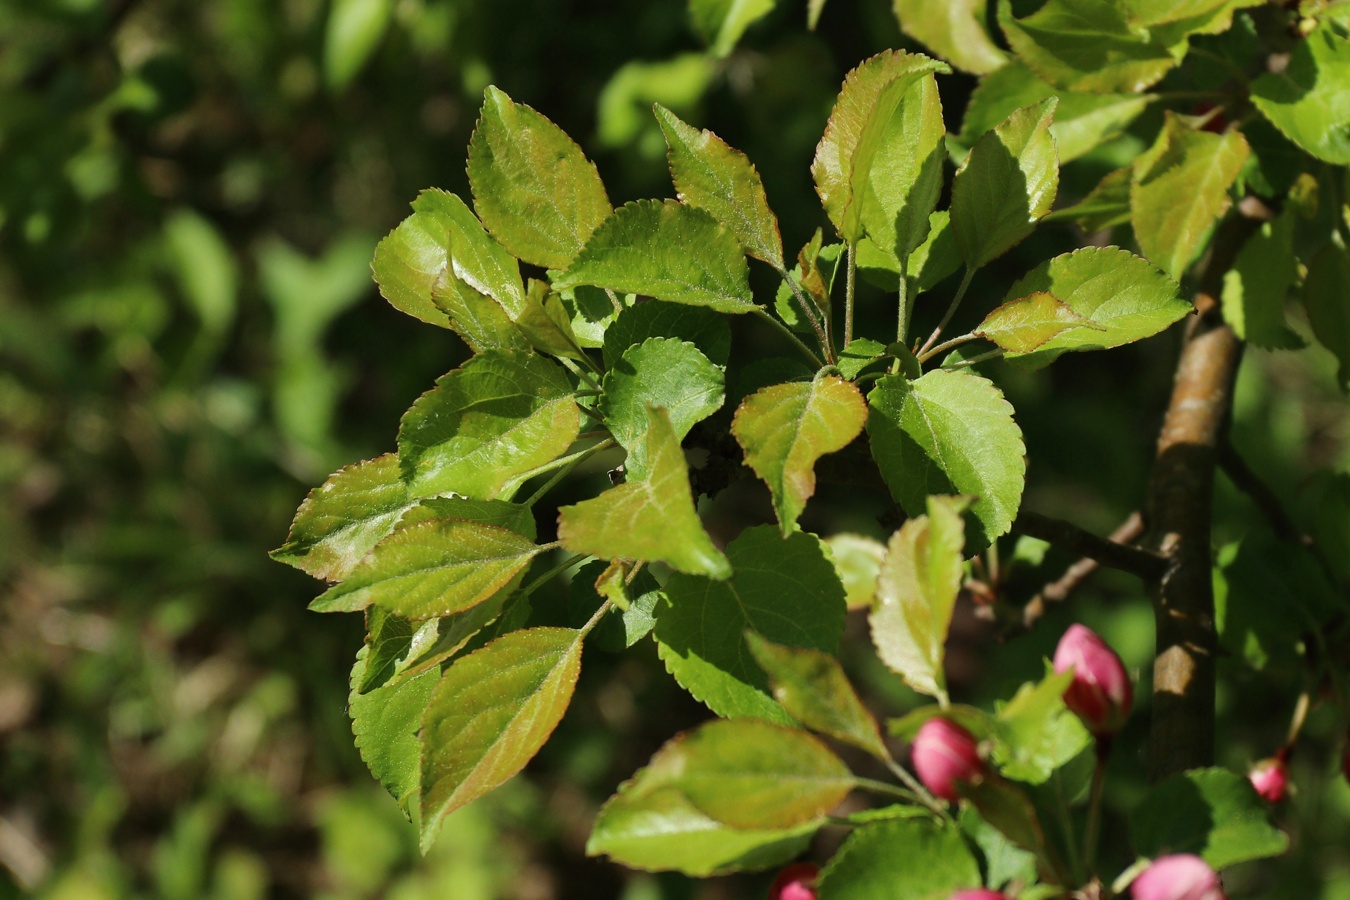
[795,882]
[978,894]
[1101,693]
[944,755]
[1270,777]
[1179,877]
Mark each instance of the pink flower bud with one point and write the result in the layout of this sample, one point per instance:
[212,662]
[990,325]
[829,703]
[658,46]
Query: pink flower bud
[978,894]
[1100,694]
[795,882]
[1270,777]
[1179,877]
[944,755]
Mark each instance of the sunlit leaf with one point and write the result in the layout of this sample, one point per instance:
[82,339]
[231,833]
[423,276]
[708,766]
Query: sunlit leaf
[871,865]
[385,724]
[722,22]
[669,251]
[470,747]
[1254,289]
[786,428]
[954,30]
[857,559]
[1309,101]
[1036,733]
[532,186]
[475,316]
[1024,324]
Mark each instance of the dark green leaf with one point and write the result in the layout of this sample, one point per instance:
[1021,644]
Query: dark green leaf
[489,715]
[916,592]
[954,30]
[1255,288]
[669,251]
[664,372]
[703,328]
[711,175]
[949,432]
[812,687]
[345,517]
[385,724]
[1123,297]
[786,428]
[1197,164]
[1213,813]
[786,590]
[1310,99]
[900,859]
[432,569]
[533,187]
[1006,184]
[652,519]
[1324,295]
[485,426]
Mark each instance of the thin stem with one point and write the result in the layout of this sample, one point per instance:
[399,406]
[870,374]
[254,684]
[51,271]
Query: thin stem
[595,619]
[948,345]
[565,467]
[614,299]
[813,315]
[921,792]
[553,572]
[951,311]
[787,333]
[1094,821]
[1299,716]
[580,372]
[849,280]
[902,310]
[976,360]
[881,787]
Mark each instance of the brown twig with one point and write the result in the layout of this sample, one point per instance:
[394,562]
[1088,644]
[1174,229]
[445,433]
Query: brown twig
[1104,551]
[1075,575]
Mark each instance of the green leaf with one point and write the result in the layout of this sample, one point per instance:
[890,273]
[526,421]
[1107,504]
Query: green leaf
[345,517]
[784,589]
[1254,289]
[813,10]
[814,272]
[1200,16]
[1082,121]
[1024,324]
[433,568]
[652,519]
[953,30]
[1309,101]
[1087,45]
[669,251]
[485,426]
[860,354]
[916,593]
[401,648]
[516,517]
[906,175]
[812,687]
[722,22]
[949,432]
[703,328]
[1328,309]
[1004,861]
[660,372]
[635,595]
[1006,184]
[475,316]
[900,859]
[353,33]
[786,428]
[857,560]
[1197,164]
[442,232]
[751,775]
[385,724]
[532,186]
[1213,813]
[1123,297]
[867,122]
[205,267]
[650,824]
[547,325]
[711,175]
[1035,733]
[491,712]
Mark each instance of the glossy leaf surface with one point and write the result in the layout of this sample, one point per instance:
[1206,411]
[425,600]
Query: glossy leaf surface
[954,30]
[1310,100]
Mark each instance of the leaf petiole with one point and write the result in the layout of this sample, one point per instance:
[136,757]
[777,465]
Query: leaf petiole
[564,465]
[787,333]
[951,311]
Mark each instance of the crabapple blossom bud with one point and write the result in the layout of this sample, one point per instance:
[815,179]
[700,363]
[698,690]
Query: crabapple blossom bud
[978,894]
[944,755]
[1101,693]
[795,882]
[1179,877]
[1270,777]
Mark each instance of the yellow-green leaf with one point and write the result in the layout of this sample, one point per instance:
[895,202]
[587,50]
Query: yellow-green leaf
[1026,323]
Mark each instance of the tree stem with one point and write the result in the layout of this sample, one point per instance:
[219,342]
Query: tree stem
[851,271]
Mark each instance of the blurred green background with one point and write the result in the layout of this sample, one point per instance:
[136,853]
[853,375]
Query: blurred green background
[190,193]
